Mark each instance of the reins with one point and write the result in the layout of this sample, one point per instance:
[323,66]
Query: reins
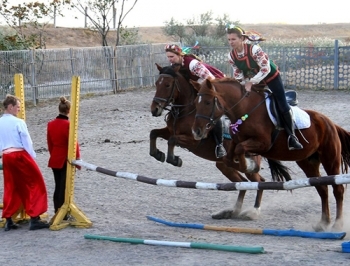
[174,109]
[213,120]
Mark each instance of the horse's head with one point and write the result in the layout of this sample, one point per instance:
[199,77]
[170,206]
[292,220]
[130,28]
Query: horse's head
[168,86]
[209,109]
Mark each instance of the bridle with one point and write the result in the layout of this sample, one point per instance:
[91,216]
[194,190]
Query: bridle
[170,100]
[174,109]
[212,119]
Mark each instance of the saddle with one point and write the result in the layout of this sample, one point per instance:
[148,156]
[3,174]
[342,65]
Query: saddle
[292,100]
[291,97]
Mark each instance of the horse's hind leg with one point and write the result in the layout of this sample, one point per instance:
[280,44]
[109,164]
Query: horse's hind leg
[338,192]
[154,134]
[311,167]
[332,163]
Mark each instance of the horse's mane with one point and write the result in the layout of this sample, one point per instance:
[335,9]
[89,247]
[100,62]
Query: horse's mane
[231,81]
[225,80]
[170,70]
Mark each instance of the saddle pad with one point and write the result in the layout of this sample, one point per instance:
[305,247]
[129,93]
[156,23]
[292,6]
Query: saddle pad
[300,117]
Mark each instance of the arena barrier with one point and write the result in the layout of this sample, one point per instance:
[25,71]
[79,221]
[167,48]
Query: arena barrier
[289,185]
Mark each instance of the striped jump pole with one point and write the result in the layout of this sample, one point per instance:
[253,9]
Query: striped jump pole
[289,185]
[198,245]
[271,232]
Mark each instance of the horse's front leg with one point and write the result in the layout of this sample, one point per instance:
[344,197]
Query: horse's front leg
[238,156]
[154,134]
[234,176]
[183,141]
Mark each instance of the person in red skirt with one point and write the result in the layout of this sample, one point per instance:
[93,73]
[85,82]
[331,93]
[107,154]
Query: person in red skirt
[57,142]
[23,182]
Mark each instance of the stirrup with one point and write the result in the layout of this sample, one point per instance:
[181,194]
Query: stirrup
[293,143]
[220,151]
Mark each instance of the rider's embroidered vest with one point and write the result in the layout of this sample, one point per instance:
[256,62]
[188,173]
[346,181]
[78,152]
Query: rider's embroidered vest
[249,67]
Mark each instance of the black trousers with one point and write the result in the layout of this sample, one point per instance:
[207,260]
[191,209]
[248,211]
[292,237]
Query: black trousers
[277,88]
[60,186]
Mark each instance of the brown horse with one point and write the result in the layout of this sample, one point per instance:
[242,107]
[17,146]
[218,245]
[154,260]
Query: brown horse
[175,94]
[324,142]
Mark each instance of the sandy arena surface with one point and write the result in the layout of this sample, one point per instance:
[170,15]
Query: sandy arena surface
[118,207]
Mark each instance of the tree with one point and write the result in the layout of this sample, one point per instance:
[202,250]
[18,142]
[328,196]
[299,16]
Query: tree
[205,30]
[221,23]
[201,26]
[175,29]
[36,15]
[102,13]
[121,19]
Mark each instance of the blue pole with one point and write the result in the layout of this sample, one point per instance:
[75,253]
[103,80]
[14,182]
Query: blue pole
[272,232]
[336,64]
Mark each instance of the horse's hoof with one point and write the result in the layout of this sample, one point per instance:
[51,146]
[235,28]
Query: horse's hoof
[337,226]
[253,214]
[158,155]
[161,157]
[225,214]
[320,227]
[176,161]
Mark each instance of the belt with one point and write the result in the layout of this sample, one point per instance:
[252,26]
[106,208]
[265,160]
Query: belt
[9,150]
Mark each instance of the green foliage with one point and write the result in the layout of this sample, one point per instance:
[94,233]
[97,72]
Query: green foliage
[18,17]
[102,13]
[204,29]
[210,33]
[15,42]
[200,26]
[175,29]
[128,36]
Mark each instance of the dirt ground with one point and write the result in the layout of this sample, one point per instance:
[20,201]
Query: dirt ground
[118,207]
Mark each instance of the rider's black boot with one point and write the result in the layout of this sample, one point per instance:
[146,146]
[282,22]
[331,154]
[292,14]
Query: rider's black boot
[293,142]
[219,139]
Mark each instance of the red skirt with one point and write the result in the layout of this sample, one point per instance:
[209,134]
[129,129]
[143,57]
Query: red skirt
[23,185]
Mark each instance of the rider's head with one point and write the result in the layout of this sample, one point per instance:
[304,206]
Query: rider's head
[174,53]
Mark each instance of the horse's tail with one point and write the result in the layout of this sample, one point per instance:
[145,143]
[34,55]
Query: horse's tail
[344,137]
[279,172]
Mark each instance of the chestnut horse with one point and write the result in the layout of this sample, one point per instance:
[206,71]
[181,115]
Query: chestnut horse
[324,142]
[175,94]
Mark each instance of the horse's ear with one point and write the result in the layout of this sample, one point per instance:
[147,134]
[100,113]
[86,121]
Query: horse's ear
[177,67]
[159,67]
[195,85]
[208,83]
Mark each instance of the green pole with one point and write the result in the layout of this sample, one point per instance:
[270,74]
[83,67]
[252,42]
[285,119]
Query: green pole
[241,249]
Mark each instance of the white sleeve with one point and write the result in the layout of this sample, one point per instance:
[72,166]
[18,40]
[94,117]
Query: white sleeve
[261,58]
[199,70]
[26,139]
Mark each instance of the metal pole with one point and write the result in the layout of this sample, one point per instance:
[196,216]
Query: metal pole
[336,64]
